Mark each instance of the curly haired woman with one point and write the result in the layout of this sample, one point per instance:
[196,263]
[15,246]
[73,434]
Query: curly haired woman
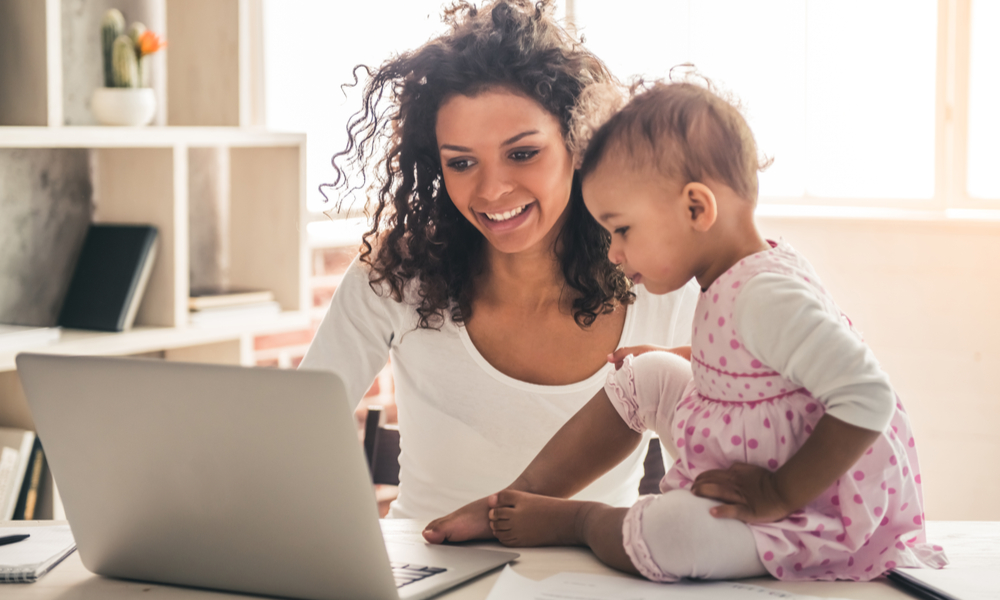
[483,277]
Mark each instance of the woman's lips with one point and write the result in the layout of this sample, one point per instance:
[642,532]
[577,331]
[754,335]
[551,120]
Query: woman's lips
[509,224]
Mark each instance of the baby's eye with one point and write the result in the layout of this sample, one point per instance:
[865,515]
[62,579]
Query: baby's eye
[621,231]
[523,155]
[459,164]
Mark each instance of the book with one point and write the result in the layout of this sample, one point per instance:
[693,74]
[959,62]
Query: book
[27,560]
[110,277]
[21,337]
[27,500]
[219,297]
[15,455]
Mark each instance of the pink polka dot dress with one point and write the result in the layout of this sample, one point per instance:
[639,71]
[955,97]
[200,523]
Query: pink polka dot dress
[738,409]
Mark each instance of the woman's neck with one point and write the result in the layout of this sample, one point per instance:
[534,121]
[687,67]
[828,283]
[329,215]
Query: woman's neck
[530,280]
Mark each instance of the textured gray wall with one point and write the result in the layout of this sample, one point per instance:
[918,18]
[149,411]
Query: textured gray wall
[46,202]
[83,68]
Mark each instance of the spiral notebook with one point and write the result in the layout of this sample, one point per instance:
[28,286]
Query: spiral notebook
[27,560]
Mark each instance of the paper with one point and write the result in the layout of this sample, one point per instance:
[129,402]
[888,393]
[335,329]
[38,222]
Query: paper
[26,560]
[587,586]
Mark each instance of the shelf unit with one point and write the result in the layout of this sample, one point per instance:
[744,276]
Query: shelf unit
[145,174]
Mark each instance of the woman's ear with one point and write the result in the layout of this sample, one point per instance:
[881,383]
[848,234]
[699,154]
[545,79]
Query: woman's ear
[700,203]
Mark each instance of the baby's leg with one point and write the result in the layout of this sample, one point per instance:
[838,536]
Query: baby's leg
[672,536]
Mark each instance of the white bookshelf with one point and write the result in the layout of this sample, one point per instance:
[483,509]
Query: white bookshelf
[142,175]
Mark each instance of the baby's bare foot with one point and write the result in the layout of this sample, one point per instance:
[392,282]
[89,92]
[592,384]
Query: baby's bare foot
[523,519]
[466,523]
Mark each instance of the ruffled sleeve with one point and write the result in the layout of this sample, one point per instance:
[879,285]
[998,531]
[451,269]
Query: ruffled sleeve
[620,388]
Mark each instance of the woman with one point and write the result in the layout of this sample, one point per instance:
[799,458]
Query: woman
[483,278]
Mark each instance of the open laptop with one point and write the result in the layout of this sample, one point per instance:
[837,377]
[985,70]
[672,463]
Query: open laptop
[232,478]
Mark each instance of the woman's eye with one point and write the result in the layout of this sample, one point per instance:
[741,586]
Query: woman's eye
[459,164]
[523,155]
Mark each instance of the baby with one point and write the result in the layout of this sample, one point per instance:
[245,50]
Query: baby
[794,456]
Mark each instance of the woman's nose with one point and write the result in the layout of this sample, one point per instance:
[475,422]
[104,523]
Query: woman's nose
[494,183]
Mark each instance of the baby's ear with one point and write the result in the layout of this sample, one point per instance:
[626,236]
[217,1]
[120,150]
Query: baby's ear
[700,203]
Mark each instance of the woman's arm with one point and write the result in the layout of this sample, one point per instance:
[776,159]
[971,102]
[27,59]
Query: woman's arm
[354,338]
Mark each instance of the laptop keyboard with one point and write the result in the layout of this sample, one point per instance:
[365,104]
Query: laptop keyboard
[408,573]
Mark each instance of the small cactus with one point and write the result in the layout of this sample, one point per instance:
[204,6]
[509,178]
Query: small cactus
[125,66]
[112,26]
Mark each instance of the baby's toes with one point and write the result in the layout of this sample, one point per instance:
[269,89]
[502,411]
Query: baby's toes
[508,498]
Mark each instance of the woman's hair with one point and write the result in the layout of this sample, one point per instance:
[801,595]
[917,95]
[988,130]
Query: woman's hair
[686,132]
[417,234]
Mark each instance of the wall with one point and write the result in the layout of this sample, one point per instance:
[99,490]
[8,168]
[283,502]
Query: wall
[925,296]
[46,201]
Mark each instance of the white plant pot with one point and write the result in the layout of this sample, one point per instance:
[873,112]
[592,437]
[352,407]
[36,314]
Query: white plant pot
[123,106]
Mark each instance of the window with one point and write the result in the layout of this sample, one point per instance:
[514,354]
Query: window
[841,93]
[984,101]
[861,103]
[310,49]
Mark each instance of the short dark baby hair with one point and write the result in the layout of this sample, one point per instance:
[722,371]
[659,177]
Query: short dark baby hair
[687,132]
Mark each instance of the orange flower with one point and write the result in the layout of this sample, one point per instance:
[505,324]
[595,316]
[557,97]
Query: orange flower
[149,43]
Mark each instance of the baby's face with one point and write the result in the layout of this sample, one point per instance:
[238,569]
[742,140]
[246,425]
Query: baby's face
[651,237]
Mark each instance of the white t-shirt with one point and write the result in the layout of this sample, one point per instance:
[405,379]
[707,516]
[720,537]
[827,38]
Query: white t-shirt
[468,430]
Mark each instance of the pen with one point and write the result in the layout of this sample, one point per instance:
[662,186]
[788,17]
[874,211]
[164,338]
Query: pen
[13,539]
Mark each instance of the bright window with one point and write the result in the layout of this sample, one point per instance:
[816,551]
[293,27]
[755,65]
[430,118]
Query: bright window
[839,92]
[984,101]
[310,48]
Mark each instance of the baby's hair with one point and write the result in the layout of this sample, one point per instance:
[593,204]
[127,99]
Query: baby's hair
[687,131]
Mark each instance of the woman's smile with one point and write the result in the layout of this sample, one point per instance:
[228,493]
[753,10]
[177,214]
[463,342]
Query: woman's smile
[506,220]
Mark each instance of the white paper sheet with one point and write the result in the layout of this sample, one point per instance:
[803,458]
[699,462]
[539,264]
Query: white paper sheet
[587,586]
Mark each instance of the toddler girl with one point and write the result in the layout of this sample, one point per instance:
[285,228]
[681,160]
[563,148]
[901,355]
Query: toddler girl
[782,414]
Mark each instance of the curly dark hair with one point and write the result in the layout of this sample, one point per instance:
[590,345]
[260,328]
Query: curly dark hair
[416,231]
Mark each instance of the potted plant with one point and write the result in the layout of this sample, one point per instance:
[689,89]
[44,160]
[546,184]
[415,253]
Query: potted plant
[126,98]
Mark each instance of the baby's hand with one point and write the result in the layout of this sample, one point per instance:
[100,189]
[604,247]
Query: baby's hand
[618,356]
[749,493]
[471,522]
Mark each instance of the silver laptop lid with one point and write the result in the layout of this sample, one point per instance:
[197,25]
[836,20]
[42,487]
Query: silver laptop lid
[231,478]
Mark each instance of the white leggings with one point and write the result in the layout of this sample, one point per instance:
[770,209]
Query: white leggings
[672,535]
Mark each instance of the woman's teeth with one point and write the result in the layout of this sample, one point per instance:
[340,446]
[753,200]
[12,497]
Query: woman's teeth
[497,217]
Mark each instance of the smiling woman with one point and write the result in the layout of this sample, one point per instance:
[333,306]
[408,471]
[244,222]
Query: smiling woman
[483,277]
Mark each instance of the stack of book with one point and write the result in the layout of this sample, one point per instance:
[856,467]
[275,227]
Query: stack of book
[210,306]
[21,465]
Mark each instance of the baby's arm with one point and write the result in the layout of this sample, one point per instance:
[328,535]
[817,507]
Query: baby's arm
[593,441]
[783,323]
[602,434]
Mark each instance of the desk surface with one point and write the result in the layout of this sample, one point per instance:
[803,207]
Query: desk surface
[973,548]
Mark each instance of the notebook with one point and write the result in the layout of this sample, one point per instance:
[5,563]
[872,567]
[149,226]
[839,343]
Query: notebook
[110,277]
[233,478]
[27,560]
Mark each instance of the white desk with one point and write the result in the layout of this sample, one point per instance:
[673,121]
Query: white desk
[973,548]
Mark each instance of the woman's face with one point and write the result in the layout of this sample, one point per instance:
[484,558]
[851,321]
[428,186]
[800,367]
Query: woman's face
[506,167]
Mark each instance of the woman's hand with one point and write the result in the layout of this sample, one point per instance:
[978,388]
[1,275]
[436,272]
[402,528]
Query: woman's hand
[618,356]
[750,494]
[471,522]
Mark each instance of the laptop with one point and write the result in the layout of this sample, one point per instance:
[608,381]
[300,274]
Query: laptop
[231,478]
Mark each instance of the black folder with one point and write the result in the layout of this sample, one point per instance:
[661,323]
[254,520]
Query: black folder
[110,277]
